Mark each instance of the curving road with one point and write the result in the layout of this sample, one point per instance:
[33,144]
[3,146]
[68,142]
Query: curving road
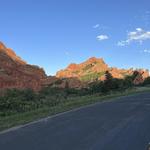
[123,124]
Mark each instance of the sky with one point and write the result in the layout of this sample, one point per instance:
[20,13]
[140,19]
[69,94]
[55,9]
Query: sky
[55,33]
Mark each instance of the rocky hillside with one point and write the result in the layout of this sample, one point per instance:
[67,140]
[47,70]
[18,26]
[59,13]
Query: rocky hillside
[16,73]
[94,68]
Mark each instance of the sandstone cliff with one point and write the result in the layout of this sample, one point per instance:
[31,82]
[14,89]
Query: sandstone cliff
[16,73]
[92,65]
[94,68]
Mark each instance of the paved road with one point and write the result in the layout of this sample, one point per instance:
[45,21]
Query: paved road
[123,124]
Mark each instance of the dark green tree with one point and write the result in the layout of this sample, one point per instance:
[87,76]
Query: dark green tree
[108,82]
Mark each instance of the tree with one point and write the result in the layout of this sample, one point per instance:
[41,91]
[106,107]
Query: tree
[95,87]
[108,76]
[108,82]
[108,79]
[128,81]
[135,74]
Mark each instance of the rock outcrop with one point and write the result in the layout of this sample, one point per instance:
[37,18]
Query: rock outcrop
[142,75]
[92,65]
[94,68]
[16,73]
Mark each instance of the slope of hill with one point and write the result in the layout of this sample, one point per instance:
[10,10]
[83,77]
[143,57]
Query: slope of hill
[16,73]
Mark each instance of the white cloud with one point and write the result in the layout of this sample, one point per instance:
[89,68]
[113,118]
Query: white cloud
[139,30]
[139,35]
[146,51]
[102,37]
[96,26]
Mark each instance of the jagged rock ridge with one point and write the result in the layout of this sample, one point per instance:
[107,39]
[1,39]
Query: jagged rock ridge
[94,68]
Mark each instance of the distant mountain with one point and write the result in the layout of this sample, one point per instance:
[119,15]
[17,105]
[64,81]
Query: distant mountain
[94,69]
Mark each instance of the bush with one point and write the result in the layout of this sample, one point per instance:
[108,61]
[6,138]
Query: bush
[19,101]
[147,81]
[95,87]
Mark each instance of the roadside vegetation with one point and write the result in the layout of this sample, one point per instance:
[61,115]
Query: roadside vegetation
[22,106]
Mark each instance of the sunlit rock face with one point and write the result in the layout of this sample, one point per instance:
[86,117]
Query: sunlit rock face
[16,73]
[94,69]
[92,65]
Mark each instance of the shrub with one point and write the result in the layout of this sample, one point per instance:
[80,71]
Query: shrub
[147,81]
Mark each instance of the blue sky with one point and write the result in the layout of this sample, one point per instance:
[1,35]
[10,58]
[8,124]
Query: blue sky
[54,33]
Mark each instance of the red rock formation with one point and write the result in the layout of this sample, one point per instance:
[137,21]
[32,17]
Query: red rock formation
[95,68]
[16,73]
[69,82]
[142,75]
[92,65]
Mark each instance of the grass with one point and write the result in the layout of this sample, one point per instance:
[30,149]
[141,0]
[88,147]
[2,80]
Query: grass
[91,76]
[72,103]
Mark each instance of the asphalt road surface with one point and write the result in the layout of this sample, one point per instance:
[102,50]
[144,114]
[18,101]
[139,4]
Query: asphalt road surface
[123,124]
